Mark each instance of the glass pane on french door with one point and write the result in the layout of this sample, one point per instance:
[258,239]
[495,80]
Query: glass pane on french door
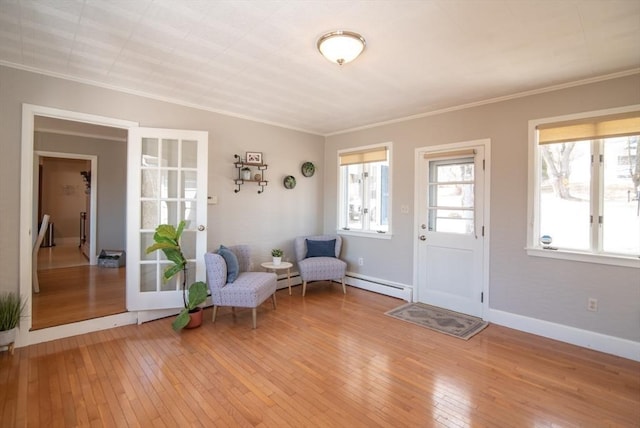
[168,195]
[167,183]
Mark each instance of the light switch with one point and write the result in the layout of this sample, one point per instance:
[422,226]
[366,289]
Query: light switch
[404,209]
[212,200]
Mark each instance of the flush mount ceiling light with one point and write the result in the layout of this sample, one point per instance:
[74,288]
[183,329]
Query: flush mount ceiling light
[341,46]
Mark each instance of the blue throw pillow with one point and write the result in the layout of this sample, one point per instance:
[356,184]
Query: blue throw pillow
[233,267]
[321,248]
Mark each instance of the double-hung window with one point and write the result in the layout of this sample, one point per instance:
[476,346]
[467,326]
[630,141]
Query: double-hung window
[364,180]
[586,186]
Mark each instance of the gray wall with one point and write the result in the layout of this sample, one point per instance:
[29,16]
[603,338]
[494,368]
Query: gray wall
[544,289]
[540,288]
[262,221]
[112,182]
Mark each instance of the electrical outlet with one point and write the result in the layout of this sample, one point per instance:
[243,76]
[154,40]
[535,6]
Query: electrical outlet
[592,304]
[360,261]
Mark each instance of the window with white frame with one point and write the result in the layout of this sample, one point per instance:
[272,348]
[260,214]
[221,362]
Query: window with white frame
[586,176]
[364,189]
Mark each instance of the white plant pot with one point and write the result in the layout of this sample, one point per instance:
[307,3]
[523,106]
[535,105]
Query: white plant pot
[277,261]
[7,337]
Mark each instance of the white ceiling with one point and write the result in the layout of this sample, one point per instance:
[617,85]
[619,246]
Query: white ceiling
[258,59]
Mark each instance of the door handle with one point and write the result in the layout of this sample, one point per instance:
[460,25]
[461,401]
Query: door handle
[422,238]
[201,228]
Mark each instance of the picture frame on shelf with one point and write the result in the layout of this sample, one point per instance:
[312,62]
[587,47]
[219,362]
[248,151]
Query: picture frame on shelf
[253,158]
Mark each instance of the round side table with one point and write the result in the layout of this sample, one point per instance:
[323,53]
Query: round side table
[281,266]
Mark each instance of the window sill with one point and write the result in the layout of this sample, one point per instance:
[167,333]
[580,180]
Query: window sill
[626,261]
[374,235]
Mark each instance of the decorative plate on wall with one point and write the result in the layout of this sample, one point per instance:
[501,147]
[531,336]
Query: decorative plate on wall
[289,182]
[308,169]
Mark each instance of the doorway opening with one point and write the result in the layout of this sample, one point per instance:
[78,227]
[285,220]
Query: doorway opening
[66,262]
[75,292]
[66,193]
[166,156]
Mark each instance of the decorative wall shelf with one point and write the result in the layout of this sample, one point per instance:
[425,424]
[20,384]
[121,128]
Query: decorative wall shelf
[259,167]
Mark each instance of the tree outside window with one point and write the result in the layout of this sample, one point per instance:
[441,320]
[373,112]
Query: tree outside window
[589,184]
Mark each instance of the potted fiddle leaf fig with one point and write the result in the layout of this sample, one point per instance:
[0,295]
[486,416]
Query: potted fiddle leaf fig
[167,239]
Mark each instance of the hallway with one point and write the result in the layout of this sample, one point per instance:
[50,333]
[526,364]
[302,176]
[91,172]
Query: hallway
[71,290]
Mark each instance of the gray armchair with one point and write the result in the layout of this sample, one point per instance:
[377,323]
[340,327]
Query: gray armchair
[231,283]
[317,258]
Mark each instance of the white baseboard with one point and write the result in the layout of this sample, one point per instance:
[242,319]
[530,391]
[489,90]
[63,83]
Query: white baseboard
[76,328]
[587,339]
[156,314]
[381,286]
[282,281]
[388,288]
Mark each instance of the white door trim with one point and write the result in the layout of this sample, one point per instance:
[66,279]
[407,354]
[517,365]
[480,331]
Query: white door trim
[28,222]
[486,143]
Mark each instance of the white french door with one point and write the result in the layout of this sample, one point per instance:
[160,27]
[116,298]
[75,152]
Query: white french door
[167,184]
[450,228]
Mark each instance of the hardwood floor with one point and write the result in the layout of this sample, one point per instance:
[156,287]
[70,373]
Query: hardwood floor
[61,255]
[327,359]
[77,293]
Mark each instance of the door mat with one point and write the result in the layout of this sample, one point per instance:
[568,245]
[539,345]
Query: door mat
[448,322]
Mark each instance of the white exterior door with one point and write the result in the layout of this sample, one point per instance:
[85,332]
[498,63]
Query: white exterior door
[167,183]
[450,229]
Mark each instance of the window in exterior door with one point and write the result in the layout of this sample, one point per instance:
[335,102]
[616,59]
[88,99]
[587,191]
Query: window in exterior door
[451,196]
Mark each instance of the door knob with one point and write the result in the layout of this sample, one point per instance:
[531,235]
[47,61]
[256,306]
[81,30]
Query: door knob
[201,228]
[422,238]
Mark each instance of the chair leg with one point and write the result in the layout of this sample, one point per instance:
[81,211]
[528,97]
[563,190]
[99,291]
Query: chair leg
[344,287]
[254,313]
[215,311]
[304,287]
[273,299]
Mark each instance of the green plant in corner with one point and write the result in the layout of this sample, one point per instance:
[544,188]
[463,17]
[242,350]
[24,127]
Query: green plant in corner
[167,239]
[276,252]
[11,307]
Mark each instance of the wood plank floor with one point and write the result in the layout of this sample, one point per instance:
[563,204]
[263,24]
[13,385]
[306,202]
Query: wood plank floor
[324,360]
[61,255]
[77,293]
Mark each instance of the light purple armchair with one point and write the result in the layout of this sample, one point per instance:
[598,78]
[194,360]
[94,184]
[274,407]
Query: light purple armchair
[318,260]
[248,290]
